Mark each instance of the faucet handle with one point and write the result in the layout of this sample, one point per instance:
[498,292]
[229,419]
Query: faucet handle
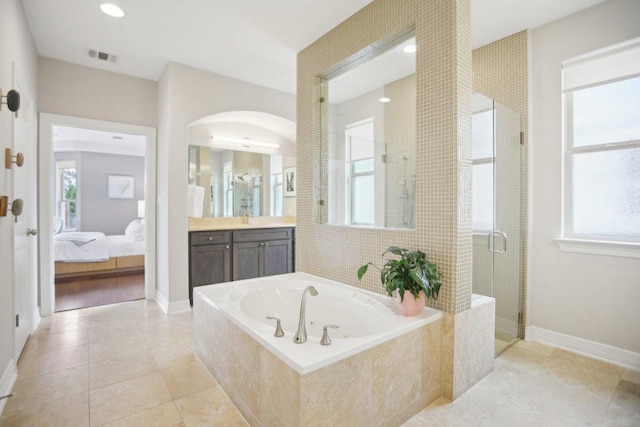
[325,335]
[279,332]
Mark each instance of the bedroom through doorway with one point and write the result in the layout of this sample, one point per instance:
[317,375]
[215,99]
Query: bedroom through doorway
[98,217]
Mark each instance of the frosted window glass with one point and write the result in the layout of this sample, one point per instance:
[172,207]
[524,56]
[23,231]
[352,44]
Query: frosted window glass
[482,135]
[361,148]
[362,203]
[483,197]
[607,113]
[363,166]
[606,193]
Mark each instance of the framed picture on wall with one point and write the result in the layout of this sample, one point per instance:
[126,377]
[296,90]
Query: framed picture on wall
[289,181]
[120,187]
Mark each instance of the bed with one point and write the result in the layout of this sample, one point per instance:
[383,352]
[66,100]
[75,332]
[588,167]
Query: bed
[93,253]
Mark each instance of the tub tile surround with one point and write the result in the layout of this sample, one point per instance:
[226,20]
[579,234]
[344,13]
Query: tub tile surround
[367,388]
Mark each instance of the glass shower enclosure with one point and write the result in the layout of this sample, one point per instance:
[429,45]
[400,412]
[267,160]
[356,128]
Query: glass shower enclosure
[498,215]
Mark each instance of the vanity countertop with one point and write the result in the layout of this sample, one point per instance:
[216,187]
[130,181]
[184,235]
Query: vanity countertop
[237,223]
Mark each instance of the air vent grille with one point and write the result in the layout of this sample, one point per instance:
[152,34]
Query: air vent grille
[102,56]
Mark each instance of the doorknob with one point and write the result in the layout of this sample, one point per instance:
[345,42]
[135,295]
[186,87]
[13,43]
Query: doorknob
[32,231]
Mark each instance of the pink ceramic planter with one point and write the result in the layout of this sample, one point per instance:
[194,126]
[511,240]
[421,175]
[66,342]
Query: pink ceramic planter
[411,306]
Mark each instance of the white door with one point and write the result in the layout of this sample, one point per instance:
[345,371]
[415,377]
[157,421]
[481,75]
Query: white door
[24,240]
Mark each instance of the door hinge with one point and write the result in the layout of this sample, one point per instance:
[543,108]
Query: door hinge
[521,138]
[17,320]
[519,317]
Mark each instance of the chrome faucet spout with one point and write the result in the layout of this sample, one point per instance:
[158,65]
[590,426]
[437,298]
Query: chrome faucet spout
[301,335]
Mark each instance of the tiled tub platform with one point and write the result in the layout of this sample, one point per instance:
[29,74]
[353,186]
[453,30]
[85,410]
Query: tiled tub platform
[378,380]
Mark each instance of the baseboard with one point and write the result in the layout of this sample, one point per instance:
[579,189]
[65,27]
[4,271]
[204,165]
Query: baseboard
[606,353]
[162,301]
[171,307]
[178,306]
[7,381]
[35,319]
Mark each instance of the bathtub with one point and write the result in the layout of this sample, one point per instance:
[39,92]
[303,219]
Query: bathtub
[274,381]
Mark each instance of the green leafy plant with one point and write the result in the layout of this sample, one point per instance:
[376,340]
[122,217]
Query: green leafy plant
[412,272]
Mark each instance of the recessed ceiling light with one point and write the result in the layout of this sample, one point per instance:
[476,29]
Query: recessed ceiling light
[384,99]
[112,10]
[411,48]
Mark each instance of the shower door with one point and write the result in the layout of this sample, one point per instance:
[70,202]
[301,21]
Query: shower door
[498,245]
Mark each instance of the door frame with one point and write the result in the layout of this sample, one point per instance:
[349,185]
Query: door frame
[46,200]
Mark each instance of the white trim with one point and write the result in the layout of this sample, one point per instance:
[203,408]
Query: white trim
[35,320]
[45,208]
[179,306]
[172,307]
[7,381]
[604,352]
[599,247]
[162,302]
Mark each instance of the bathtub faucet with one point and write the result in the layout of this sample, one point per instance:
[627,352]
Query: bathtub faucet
[301,335]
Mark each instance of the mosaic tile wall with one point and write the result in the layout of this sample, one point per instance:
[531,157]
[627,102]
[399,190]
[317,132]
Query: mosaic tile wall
[443,146]
[500,71]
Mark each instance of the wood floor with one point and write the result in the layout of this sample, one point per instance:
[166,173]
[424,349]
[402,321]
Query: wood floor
[72,294]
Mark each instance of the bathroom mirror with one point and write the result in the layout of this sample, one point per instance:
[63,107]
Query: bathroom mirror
[240,181]
[368,137]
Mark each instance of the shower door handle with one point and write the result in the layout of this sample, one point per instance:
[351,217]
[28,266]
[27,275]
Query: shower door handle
[490,242]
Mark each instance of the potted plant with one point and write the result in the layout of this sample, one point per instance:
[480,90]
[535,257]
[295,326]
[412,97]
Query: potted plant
[412,274]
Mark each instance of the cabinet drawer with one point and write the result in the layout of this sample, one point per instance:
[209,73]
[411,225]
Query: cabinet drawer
[260,234]
[210,237]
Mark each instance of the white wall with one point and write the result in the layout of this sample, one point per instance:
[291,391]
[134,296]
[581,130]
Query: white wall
[187,94]
[74,90]
[591,297]
[16,46]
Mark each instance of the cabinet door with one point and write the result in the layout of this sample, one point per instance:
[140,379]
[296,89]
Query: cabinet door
[209,264]
[247,260]
[278,257]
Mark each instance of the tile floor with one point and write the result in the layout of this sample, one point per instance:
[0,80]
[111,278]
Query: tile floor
[129,364]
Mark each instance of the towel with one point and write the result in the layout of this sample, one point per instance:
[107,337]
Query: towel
[195,201]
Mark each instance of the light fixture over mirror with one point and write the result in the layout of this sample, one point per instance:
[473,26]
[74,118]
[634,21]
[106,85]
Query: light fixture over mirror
[369,143]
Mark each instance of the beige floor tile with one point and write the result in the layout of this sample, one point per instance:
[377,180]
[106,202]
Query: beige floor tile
[186,379]
[436,414]
[165,415]
[631,376]
[173,355]
[50,342]
[127,398]
[535,347]
[121,368]
[521,358]
[509,414]
[209,407]
[109,314]
[114,330]
[48,387]
[476,405]
[108,349]
[69,411]
[33,364]
[624,407]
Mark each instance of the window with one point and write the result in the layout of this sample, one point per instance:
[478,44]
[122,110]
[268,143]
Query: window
[360,171]
[482,184]
[227,188]
[602,145]
[66,192]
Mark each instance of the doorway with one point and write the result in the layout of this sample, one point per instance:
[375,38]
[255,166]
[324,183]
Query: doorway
[48,125]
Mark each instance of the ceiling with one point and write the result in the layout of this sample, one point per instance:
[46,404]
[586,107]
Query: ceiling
[68,138]
[251,40]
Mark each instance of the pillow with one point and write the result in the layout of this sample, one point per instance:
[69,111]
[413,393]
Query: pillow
[135,230]
[58,224]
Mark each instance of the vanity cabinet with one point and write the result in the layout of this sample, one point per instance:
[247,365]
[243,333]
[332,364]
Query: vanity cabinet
[223,256]
[209,258]
[262,252]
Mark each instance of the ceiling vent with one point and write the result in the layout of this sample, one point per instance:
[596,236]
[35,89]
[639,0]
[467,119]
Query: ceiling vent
[102,56]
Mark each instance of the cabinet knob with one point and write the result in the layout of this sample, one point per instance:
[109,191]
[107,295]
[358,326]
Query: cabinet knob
[226,247]
[266,243]
[261,244]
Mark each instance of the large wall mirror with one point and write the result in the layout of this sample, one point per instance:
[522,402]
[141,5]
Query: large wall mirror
[369,141]
[242,162]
